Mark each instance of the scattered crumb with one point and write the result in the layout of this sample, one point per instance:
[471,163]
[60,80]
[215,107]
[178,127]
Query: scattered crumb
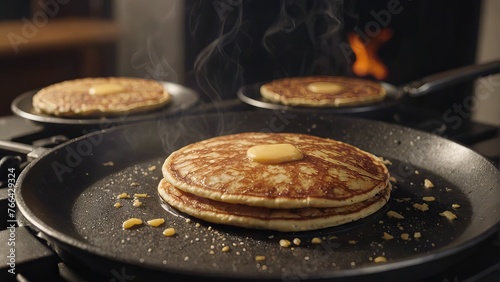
[316,240]
[455,206]
[394,214]
[387,236]
[260,258]
[117,205]
[152,168]
[137,203]
[403,200]
[226,249]
[429,199]
[129,223]
[380,259]
[123,196]
[423,207]
[285,243]
[352,242]
[405,236]
[108,164]
[134,184]
[169,232]
[449,215]
[143,195]
[428,184]
[385,161]
[417,235]
[296,241]
[156,222]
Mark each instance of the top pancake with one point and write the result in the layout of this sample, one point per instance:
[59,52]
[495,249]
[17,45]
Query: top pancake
[330,174]
[322,91]
[100,96]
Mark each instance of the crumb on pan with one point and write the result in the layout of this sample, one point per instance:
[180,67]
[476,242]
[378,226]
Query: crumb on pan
[394,214]
[428,184]
[316,240]
[285,243]
[123,196]
[131,222]
[422,207]
[387,236]
[156,222]
[169,232]
[449,215]
[379,259]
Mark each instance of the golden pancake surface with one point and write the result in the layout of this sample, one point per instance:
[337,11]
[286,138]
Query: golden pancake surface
[284,220]
[322,91]
[330,173]
[100,96]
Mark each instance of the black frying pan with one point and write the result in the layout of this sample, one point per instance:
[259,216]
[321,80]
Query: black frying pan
[183,98]
[68,194]
[250,94]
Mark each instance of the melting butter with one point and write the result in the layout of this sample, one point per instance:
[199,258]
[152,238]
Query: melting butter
[106,88]
[274,153]
[324,87]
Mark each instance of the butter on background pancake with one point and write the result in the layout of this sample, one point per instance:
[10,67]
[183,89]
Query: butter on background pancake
[330,174]
[100,96]
[322,91]
[284,220]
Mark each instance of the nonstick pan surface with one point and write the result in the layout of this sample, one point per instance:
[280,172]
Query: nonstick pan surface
[183,98]
[69,194]
[250,94]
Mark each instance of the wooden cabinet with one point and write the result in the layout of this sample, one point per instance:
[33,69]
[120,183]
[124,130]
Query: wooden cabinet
[35,54]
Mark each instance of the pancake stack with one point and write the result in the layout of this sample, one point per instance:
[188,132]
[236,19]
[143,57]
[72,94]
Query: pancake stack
[275,181]
[100,96]
[322,91]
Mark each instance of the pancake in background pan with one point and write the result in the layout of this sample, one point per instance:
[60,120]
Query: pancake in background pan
[100,97]
[330,173]
[322,91]
[284,220]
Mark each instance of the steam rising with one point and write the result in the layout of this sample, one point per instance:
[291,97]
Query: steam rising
[299,41]
[317,23]
[157,68]
[217,67]
[152,56]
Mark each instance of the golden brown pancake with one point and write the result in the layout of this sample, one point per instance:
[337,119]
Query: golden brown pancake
[330,174]
[322,91]
[285,220]
[100,96]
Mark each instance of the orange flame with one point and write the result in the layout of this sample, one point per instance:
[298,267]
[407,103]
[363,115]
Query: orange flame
[367,62]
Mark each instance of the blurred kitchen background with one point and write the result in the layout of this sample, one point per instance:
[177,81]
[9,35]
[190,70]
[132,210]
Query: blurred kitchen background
[48,41]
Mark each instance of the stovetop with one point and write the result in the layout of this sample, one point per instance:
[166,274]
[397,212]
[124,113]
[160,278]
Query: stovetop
[28,256]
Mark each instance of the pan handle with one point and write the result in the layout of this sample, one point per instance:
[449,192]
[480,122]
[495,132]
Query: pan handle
[448,78]
[30,151]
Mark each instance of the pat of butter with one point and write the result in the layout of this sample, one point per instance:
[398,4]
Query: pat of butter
[324,87]
[106,88]
[274,153]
